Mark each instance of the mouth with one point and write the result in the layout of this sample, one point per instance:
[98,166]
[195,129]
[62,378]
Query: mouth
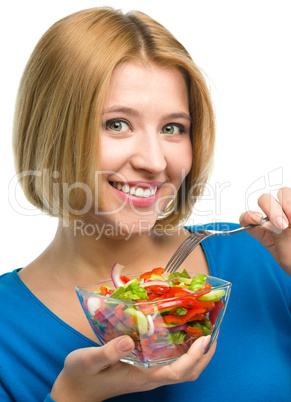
[139,190]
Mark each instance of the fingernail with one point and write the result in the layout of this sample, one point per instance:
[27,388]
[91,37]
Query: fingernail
[125,344]
[206,341]
[281,222]
[257,217]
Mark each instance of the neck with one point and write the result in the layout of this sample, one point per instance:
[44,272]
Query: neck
[81,257]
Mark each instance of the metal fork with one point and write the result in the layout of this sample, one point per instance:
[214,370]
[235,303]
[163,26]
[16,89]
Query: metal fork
[195,239]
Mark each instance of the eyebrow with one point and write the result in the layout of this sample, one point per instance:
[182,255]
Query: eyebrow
[123,109]
[135,113]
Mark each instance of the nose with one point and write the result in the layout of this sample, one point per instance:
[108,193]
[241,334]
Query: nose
[149,154]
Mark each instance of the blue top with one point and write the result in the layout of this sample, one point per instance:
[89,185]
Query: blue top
[253,356]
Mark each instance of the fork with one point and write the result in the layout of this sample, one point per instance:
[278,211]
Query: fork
[195,239]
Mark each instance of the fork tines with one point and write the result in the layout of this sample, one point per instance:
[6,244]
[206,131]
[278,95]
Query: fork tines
[182,252]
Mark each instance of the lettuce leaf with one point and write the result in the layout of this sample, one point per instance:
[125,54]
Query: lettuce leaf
[129,292]
[176,337]
[183,274]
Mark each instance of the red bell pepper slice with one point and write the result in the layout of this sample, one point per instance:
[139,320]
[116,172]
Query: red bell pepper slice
[195,331]
[144,341]
[199,317]
[147,308]
[124,279]
[157,271]
[129,322]
[183,319]
[190,316]
[185,302]
[159,322]
[103,291]
[177,291]
[153,296]
[119,312]
[99,316]
[153,338]
[215,312]
[159,289]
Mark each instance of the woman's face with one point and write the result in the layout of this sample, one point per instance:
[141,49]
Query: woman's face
[145,145]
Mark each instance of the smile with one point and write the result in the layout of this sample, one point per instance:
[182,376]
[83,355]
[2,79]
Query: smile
[135,190]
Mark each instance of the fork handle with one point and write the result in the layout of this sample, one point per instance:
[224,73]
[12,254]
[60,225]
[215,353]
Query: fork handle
[243,228]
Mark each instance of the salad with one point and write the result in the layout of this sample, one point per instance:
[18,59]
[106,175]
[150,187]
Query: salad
[163,314]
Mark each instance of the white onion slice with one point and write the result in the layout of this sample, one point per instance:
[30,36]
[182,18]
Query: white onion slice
[151,329]
[115,275]
[154,316]
[155,283]
[93,304]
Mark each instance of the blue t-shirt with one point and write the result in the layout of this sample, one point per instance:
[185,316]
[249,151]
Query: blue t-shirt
[252,361]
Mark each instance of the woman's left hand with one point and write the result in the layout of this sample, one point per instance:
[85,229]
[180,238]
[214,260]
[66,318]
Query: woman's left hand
[275,235]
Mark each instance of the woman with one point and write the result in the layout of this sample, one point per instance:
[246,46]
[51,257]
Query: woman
[114,134]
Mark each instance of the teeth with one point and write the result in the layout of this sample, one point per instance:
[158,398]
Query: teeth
[125,188]
[147,192]
[136,191]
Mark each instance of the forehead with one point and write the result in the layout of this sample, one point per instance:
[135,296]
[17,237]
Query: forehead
[141,83]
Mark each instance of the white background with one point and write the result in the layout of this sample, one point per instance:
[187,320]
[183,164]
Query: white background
[244,49]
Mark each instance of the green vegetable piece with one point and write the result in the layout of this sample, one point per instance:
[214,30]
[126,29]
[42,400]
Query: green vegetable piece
[197,282]
[195,286]
[204,329]
[199,279]
[176,337]
[107,287]
[207,323]
[183,274]
[139,319]
[181,311]
[186,281]
[130,291]
[155,277]
[213,295]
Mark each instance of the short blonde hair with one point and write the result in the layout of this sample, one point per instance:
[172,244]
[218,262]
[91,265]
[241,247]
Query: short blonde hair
[60,98]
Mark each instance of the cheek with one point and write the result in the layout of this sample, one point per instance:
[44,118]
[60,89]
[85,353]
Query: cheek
[181,163]
[112,155]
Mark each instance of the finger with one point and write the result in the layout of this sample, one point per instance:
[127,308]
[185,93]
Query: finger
[284,197]
[95,359]
[250,218]
[176,371]
[273,209]
[112,352]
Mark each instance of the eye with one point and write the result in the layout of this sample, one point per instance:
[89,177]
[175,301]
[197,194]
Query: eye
[173,129]
[117,125]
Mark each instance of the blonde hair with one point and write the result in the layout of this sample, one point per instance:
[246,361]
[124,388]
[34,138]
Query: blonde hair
[60,98]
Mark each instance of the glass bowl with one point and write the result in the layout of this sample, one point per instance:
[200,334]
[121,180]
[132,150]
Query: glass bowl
[159,338]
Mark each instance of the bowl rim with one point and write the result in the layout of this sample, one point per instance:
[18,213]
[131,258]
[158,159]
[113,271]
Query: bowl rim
[80,289]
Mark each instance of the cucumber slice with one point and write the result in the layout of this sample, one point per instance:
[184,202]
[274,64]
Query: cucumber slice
[139,319]
[187,281]
[213,295]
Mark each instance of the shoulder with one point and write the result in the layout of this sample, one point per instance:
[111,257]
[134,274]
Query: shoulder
[231,247]
[13,293]
[240,258]
[240,251]
[8,281]
[241,243]
[225,226]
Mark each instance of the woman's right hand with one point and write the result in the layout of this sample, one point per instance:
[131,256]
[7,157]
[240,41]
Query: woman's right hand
[96,373]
